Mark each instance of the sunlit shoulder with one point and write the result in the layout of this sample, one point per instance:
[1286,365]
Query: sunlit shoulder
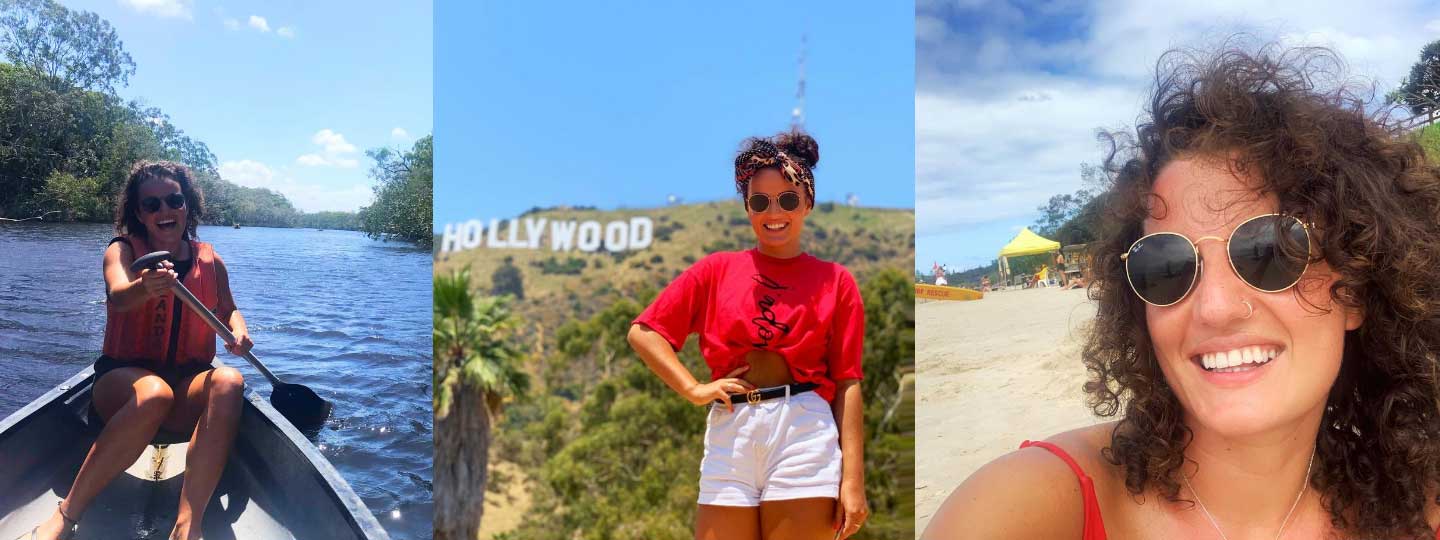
[1027,493]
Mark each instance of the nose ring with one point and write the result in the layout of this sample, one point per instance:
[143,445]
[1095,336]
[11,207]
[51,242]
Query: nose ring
[1249,307]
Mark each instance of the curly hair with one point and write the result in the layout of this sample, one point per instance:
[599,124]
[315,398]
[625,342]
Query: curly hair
[126,212]
[1287,120]
[794,153]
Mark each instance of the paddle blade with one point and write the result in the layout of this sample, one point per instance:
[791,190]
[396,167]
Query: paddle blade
[301,406]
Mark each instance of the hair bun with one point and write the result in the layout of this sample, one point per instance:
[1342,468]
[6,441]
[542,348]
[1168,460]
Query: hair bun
[801,146]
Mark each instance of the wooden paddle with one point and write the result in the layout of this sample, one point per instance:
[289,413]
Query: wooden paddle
[297,403]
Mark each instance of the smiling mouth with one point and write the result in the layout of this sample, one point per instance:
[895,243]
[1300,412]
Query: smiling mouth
[776,226]
[1237,360]
[166,225]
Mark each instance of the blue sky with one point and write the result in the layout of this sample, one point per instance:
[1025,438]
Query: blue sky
[622,104]
[288,95]
[1009,95]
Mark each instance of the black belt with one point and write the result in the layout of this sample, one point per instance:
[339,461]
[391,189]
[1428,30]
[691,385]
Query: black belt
[756,396]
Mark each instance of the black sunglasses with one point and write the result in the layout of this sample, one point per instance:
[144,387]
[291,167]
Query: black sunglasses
[151,205]
[1164,267]
[760,202]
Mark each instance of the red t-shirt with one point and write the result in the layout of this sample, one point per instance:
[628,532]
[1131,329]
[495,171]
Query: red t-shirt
[804,309]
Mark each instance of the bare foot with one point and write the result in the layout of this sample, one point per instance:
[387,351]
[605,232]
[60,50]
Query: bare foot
[185,530]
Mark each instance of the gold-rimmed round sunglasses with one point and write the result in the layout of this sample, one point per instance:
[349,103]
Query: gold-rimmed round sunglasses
[1164,267]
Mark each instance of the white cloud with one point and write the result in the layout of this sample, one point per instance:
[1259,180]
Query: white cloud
[248,173]
[982,158]
[306,196]
[285,32]
[179,9]
[332,142]
[232,23]
[257,22]
[312,160]
[1003,119]
[399,133]
[336,151]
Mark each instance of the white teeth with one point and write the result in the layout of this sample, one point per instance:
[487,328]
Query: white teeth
[775,226]
[1236,359]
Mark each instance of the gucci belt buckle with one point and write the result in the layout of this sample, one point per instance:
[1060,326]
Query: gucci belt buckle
[753,397]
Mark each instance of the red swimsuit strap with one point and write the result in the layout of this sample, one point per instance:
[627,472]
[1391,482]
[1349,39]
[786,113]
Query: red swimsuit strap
[1094,525]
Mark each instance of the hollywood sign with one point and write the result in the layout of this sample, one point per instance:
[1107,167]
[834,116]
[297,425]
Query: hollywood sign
[589,236]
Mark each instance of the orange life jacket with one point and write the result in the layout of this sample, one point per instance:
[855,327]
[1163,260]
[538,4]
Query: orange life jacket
[147,334]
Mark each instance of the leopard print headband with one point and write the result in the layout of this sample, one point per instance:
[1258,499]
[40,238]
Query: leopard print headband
[765,154]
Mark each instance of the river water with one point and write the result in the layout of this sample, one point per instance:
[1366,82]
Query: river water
[345,315]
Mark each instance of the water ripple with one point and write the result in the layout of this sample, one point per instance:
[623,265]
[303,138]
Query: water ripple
[358,337]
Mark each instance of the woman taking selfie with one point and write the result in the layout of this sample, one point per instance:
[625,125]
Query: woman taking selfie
[1267,327]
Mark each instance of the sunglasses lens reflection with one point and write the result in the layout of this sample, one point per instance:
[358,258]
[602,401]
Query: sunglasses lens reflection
[759,203]
[1262,259]
[151,205]
[789,201]
[1161,268]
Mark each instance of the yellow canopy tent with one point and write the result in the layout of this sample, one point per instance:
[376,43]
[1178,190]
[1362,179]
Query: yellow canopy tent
[1025,243]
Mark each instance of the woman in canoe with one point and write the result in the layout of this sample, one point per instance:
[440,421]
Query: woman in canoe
[1267,328]
[781,332]
[156,371]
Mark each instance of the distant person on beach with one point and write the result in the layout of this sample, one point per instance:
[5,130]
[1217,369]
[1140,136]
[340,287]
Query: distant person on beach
[1060,277]
[1267,328]
[155,371]
[782,333]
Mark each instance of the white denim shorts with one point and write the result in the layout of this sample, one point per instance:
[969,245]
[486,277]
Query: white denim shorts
[782,448]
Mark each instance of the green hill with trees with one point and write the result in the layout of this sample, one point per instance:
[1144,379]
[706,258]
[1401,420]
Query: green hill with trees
[68,141]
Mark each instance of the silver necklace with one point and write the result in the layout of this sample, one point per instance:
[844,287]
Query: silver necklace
[1287,514]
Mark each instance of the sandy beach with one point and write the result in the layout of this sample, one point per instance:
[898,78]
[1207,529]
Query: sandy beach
[991,374]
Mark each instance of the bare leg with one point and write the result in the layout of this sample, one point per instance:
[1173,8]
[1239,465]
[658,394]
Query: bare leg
[133,402]
[727,522]
[212,404]
[800,519]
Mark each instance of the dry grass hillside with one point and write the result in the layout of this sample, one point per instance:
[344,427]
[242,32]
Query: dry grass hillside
[863,239]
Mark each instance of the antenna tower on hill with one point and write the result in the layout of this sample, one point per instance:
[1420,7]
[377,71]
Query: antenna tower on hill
[797,115]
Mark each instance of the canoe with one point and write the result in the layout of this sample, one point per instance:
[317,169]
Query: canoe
[275,485]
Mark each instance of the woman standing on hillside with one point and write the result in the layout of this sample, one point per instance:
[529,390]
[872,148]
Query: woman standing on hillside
[782,333]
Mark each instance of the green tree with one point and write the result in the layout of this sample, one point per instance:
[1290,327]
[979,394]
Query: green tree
[476,366]
[507,280]
[67,143]
[889,408]
[622,463]
[71,49]
[1420,90]
[1065,207]
[78,197]
[404,192]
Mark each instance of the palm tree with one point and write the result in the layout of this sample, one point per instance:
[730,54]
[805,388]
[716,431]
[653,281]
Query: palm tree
[476,367]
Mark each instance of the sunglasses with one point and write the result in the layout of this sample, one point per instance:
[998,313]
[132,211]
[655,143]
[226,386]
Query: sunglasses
[760,202]
[1164,267]
[151,205]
